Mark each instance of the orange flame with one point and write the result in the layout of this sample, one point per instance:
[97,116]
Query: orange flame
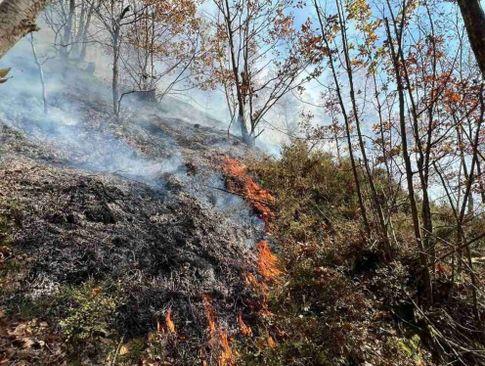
[159,327]
[234,167]
[226,357]
[243,327]
[271,342]
[209,313]
[241,183]
[268,264]
[169,322]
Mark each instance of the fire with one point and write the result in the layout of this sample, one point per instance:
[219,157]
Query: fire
[269,268]
[268,264]
[169,322]
[169,326]
[234,167]
[271,342]
[226,357]
[209,313]
[219,336]
[259,286]
[243,327]
[261,199]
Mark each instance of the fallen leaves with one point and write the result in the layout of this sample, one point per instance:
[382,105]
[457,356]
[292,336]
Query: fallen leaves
[28,342]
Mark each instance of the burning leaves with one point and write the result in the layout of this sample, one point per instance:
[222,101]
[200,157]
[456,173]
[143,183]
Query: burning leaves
[169,322]
[239,182]
[219,339]
[209,313]
[167,343]
[268,264]
[269,269]
[226,357]
[243,327]
[169,326]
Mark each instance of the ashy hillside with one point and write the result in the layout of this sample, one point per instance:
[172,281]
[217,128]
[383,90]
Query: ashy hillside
[105,238]
[242,182]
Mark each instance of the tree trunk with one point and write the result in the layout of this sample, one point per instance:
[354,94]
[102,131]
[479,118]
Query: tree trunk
[370,178]
[241,120]
[474,19]
[480,182]
[17,18]
[358,188]
[66,45]
[115,76]
[41,74]
[424,283]
[84,35]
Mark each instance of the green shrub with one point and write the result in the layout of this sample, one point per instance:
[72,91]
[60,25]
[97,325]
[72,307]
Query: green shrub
[89,315]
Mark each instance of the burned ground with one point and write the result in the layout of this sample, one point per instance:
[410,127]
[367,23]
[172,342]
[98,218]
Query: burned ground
[153,236]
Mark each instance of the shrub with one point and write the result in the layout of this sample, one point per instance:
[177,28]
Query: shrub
[322,312]
[88,316]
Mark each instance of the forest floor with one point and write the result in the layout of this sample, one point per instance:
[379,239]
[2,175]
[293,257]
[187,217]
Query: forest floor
[150,241]
[98,250]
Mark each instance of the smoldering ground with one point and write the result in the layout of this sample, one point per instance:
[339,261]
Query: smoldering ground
[136,203]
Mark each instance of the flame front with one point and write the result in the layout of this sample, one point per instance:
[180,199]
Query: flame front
[260,199]
[209,313]
[219,338]
[268,264]
[243,327]
[226,357]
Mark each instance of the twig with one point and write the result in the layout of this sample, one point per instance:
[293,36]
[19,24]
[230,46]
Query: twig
[458,248]
[117,351]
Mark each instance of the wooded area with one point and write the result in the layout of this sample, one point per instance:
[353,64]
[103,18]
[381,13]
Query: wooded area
[382,175]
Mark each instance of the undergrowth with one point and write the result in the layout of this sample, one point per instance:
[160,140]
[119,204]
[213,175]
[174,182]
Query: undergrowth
[320,293]
[338,302]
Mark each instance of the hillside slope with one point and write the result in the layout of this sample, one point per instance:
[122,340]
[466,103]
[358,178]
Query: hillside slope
[134,212]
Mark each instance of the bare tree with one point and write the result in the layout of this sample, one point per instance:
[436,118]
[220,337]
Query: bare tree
[324,28]
[259,57]
[116,16]
[161,47]
[40,66]
[70,21]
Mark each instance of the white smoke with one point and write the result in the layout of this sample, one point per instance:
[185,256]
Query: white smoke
[65,126]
